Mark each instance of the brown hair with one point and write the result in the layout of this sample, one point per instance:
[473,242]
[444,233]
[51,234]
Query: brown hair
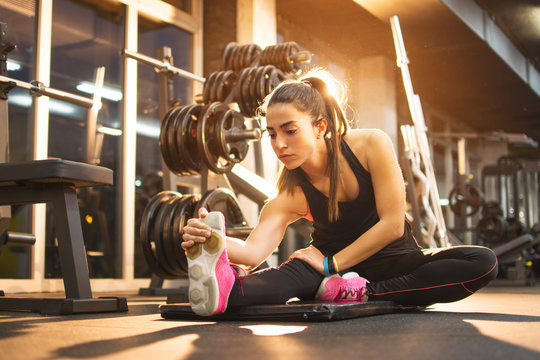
[310,94]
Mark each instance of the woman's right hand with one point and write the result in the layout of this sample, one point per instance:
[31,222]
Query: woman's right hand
[195,231]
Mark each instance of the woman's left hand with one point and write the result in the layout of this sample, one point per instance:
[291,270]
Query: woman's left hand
[312,256]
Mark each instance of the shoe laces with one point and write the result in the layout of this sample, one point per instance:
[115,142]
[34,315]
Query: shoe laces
[238,276]
[351,293]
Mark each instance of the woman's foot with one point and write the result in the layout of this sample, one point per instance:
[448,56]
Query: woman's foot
[211,277]
[350,287]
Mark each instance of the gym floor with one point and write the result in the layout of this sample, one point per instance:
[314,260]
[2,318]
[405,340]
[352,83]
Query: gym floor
[499,322]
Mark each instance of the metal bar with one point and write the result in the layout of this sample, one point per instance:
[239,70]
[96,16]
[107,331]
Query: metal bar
[511,138]
[5,211]
[301,56]
[40,133]
[20,238]
[5,218]
[515,193]
[127,171]
[254,187]
[165,95]
[71,243]
[526,198]
[454,135]
[4,132]
[91,121]
[22,195]
[40,89]
[17,303]
[55,306]
[155,282]
[462,193]
[533,199]
[402,63]
[161,65]
[5,48]
[204,174]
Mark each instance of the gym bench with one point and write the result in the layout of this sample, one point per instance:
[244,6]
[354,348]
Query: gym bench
[56,182]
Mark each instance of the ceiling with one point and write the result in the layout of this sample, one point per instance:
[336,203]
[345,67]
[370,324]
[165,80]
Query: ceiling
[520,20]
[457,75]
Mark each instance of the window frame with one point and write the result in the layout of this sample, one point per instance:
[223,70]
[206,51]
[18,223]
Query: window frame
[155,10]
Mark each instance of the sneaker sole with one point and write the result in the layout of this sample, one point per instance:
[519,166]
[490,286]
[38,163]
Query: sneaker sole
[202,260]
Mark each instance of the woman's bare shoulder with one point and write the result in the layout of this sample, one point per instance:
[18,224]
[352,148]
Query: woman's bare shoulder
[359,137]
[362,140]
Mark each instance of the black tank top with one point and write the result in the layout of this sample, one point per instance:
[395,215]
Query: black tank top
[355,217]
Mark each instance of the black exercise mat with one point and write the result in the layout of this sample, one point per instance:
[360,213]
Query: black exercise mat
[292,311]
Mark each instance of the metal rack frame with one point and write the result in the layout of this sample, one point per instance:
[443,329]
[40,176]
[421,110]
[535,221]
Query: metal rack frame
[418,150]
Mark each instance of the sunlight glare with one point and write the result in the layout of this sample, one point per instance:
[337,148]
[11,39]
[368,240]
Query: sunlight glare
[273,330]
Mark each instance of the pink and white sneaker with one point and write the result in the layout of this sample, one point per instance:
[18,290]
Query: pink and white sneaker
[350,287]
[211,277]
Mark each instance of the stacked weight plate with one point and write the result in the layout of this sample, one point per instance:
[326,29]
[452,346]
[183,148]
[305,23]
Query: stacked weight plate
[163,220]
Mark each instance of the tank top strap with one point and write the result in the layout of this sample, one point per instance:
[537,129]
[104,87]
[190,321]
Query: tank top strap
[354,163]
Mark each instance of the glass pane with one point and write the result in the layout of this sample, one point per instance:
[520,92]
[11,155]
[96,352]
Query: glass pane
[21,30]
[86,35]
[153,36]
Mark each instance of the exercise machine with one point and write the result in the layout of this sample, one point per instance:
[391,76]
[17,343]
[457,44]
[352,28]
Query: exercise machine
[509,223]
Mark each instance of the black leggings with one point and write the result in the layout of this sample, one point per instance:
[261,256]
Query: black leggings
[416,278]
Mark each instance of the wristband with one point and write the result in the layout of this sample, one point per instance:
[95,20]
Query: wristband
[335,264]
[330,267]
[325,264]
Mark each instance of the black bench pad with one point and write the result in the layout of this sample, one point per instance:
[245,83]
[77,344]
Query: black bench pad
[48,171]
[292,311]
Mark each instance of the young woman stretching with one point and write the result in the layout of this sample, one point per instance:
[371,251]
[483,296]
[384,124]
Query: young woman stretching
[349,184]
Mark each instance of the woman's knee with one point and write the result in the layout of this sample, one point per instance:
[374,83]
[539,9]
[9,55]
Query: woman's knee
[486,262]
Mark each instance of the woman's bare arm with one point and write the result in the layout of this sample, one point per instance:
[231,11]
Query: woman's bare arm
[389,189]
[275,216]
